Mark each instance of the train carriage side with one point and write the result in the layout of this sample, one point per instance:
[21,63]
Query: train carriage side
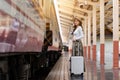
[23,31]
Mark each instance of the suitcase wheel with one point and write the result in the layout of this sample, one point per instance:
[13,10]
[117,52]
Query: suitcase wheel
[71,74]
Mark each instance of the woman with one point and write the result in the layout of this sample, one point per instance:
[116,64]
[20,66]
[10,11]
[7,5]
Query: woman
[77,36]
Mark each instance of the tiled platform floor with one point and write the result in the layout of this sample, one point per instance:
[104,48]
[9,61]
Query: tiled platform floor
[94,71]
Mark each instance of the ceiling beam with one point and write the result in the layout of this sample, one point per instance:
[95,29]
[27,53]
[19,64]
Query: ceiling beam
[71,13]
[66,21]
[65,24]
[65,27]
[69,21]
[83,1]
[65,16]
[89,2]
[63,4]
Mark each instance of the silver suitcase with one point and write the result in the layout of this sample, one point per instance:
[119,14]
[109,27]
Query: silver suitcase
[77,65]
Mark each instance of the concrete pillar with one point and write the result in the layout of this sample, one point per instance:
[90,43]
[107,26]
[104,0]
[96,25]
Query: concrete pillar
[85,38]
[102,30]
[89,35]
[115,33]
[94,34]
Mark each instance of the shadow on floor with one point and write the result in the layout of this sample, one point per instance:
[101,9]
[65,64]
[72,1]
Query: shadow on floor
[76,77]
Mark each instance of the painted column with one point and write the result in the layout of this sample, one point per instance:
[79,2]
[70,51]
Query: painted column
[85,38]
[89,35]
[102,31]
[115,33]
[94,34]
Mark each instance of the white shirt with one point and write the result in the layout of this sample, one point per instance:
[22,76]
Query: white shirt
[78,33]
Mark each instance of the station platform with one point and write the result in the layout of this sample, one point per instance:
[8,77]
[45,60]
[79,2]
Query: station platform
[93,70]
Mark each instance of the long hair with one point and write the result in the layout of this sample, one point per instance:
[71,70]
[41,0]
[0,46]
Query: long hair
[74,28]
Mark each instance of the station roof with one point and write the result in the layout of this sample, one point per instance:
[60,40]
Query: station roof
[68,9]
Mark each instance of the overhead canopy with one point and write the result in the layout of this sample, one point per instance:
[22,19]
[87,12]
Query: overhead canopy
[68,9]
